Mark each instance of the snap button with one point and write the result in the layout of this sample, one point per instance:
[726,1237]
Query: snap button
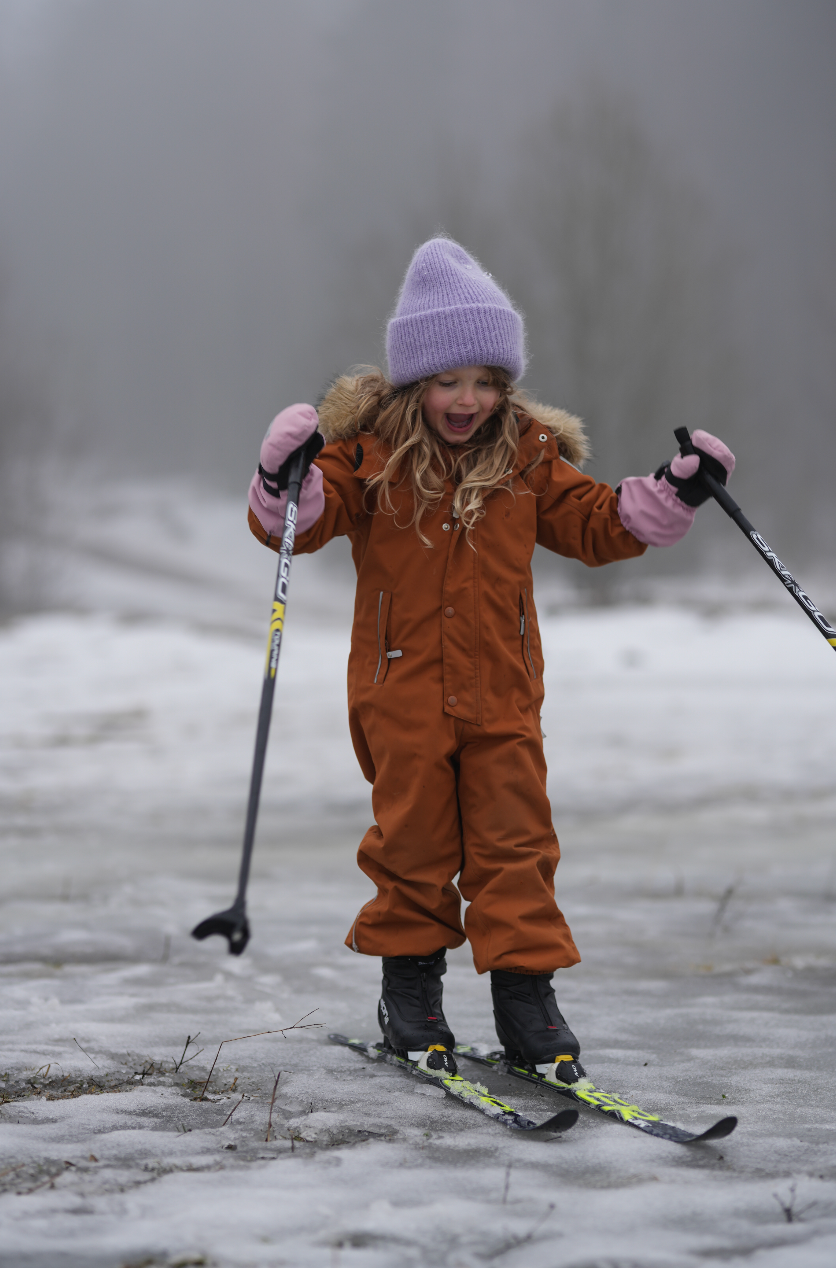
[455,526]
[449,611]
[446,527]
[452,701]
[543,437]
[455,515]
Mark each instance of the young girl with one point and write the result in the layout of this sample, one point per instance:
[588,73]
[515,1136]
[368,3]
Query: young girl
[443,476]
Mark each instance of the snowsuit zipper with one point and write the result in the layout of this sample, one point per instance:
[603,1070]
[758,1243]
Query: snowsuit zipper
[525,632]
[379,642]
[383,653]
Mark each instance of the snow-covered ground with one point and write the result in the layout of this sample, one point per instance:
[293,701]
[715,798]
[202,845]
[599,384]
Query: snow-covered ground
[693,779]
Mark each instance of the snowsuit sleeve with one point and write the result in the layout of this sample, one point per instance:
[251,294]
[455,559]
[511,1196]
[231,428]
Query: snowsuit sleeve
[578,518]
[344,506]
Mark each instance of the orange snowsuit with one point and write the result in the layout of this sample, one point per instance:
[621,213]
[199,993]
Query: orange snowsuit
[445,684]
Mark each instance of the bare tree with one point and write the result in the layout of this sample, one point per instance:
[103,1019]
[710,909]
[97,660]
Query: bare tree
[612,259]
[626,292]
[25,425]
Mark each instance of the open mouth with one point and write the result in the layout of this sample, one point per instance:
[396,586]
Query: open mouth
[459,422]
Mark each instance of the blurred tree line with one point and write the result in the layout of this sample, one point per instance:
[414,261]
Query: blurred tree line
[26,428]
[627,295]
[208,211]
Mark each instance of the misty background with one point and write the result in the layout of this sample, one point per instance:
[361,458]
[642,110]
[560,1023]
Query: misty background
[207,208]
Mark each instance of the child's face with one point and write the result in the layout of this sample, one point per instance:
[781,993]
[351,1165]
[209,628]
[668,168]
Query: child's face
[458,402]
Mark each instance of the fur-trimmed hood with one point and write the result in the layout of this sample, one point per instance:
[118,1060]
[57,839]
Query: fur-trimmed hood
[338,418]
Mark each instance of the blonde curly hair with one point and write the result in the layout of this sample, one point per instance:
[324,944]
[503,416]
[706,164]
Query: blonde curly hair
[421,459]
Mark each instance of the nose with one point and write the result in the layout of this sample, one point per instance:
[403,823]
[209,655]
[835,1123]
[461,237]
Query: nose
[466,398]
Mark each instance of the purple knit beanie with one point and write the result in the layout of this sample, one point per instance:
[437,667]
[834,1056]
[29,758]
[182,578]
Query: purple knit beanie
[450,312]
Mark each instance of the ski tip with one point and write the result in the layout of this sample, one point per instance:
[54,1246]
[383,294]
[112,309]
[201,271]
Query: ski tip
[560,1122]
[343,1039]
[724,1127]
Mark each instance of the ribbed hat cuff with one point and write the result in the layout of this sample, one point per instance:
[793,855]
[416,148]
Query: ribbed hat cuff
[427,343]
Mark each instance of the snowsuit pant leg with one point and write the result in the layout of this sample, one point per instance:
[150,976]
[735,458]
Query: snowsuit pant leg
[452,797]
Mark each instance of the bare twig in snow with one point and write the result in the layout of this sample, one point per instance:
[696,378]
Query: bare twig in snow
[514,1242]
[189,1041]
[725,899]
[507,1183]
[87,1054]
[535,1228]
[272,1103]
[234,1108]
[790,1212]
[297,1025]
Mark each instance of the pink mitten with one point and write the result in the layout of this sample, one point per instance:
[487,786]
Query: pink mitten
[287,432]
[659,509]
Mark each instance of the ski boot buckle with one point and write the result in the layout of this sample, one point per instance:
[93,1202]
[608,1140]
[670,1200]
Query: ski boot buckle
[564,1069]
[437,1060]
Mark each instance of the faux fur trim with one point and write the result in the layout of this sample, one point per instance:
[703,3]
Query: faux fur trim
[338,409]
[572,441]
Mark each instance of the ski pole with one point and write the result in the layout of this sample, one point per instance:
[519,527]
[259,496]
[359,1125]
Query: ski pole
[232,922]
[734,512]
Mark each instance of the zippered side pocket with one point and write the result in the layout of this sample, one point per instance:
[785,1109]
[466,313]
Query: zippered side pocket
[525,634]
[384,604]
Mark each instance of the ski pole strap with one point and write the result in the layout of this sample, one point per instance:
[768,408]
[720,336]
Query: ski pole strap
[734,512]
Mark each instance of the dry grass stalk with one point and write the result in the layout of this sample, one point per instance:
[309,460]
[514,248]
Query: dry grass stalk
[272,1103]
[87,1054]
[297,1025]
[234,1108]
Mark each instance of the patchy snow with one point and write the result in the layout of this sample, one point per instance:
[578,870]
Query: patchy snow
[693,778]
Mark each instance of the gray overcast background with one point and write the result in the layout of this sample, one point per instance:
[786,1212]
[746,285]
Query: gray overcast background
[207,207]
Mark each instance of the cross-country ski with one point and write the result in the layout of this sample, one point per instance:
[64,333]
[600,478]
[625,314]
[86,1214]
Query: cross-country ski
[584,1092]
[408,777]
[474,1095]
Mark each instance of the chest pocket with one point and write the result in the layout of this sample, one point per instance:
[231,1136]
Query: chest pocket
[525,634]
[384,653]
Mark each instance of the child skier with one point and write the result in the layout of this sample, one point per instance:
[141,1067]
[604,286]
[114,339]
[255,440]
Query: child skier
[443,477]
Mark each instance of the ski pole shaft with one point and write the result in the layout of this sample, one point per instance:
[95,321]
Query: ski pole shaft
[274,643]
[734,512]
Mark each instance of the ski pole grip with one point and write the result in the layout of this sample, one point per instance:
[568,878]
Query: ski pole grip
[683,439]
[299,464]
[294,468]
[715,488]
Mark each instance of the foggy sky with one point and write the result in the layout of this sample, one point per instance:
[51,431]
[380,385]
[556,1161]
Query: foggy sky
[207,205]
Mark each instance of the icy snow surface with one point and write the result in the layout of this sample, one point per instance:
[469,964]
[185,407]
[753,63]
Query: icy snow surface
[692,765]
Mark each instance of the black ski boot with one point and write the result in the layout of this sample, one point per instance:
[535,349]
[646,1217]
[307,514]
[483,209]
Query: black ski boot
[531,1027]
[410,1012]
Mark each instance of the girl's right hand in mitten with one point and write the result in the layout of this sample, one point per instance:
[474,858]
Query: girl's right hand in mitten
[287,432]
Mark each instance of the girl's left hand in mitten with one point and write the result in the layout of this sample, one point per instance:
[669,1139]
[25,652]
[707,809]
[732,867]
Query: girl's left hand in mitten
[659,509]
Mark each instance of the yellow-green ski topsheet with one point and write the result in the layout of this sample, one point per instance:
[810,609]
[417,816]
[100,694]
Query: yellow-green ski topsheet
[474,1094]
[585,1090]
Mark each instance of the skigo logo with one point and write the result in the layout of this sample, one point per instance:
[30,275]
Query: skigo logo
[791,584]
[286,552]
[274,637]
